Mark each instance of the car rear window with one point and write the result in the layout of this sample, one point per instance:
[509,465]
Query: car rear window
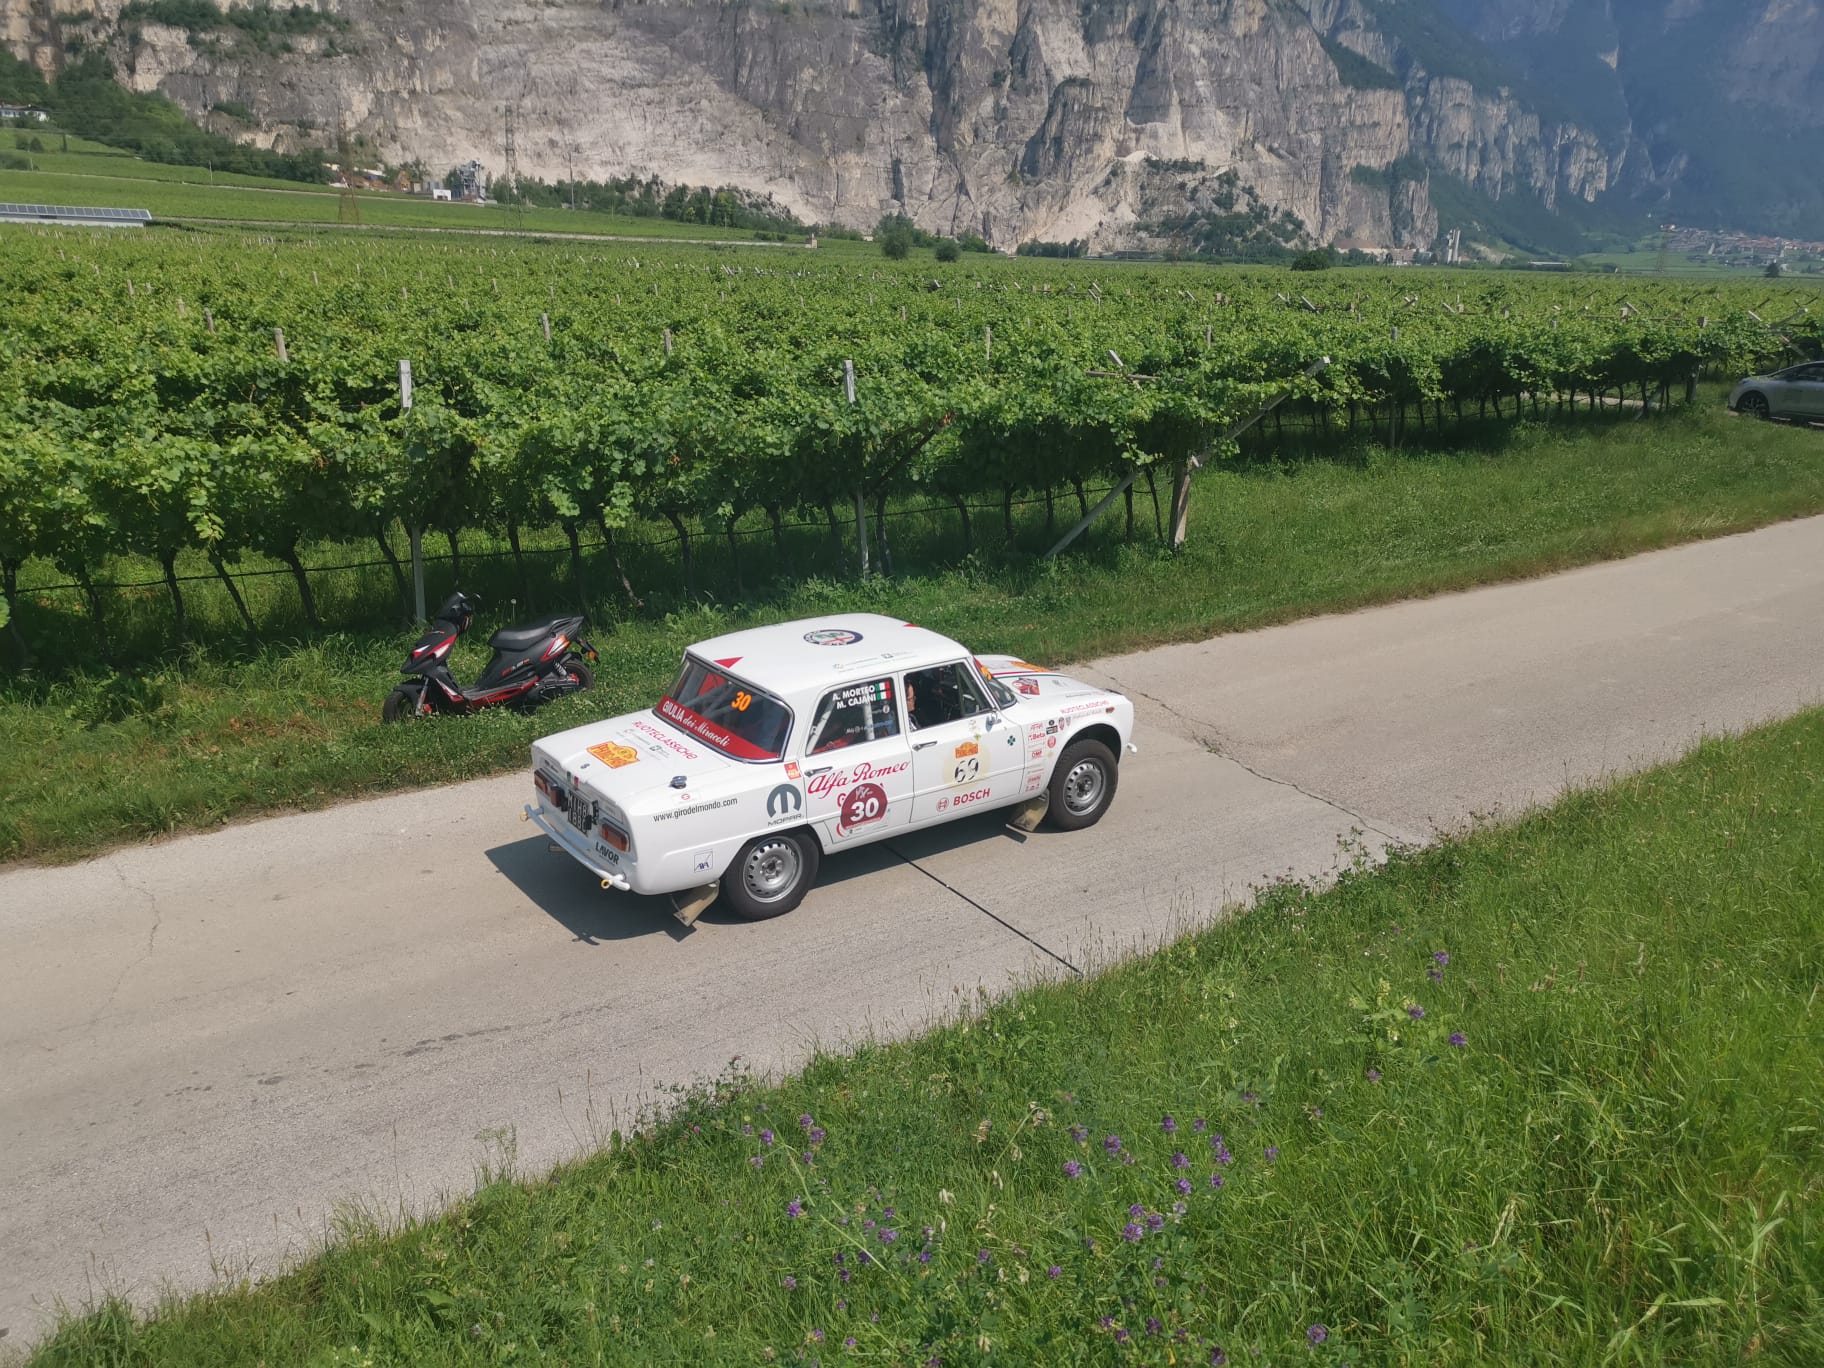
[730,714]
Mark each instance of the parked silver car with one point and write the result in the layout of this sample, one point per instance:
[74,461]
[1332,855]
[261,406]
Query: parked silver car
[1797,392]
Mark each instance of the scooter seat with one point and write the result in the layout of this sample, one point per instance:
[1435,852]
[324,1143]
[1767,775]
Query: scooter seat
[526,637]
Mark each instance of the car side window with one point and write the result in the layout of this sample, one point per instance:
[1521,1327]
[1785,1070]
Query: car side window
[943,693]
[854,715]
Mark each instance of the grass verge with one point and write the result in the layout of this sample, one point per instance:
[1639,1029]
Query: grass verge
[97,757]
[1548,1094]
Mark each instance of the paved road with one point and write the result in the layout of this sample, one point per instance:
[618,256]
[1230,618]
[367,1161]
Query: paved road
[211,1042]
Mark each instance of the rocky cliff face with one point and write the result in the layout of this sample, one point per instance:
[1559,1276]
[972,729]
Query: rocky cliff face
[1014,119]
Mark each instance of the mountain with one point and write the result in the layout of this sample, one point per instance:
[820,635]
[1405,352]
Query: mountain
[1187,123]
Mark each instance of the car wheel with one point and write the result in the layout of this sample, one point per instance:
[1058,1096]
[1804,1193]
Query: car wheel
[771,875]
[1753,405]
[401,704]
[1082,786]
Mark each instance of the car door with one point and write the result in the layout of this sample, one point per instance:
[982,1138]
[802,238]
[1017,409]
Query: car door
[856,768]
[965,755]
[1805,396]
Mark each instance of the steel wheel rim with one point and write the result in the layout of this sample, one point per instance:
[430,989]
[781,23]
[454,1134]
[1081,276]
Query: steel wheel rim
[1757,407]
[1084,787]
[772,870]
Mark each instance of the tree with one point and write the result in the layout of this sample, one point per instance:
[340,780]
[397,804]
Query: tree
[947,250]
[1774,270]
[1317,259]
[896,242]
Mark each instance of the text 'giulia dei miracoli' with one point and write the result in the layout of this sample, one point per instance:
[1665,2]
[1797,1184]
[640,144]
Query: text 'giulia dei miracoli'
[778,745]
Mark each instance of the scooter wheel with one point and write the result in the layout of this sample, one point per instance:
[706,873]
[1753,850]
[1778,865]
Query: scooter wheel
[401,704]
[578,670]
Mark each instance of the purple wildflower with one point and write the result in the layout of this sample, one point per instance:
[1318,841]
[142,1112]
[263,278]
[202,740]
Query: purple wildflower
[1154,1221]
[1072,1169]
[849,1343]
[1152,1325]
[1272,1153]
[1442,957]
[1180,1161]
[924,1256]
[1136,1210]
[888,1236]
[1373,1075]
[1131,1232]
[789,1283]
[805,1122]
[1317,1334]
[1458,1039]
[1079,1133]
[1112,1143]
[816,1135]
[1217,1357]
[1127,1158]
[1435,974]
[1200,1125]
[794,1209]
[1054,1272]
[981,1256]
[757,1160]
[1253,1097]
[1416,1012]
[1179,1208]
[1121,1336]
[1184,1186]
[1168,1125]
[766,1137]
[747,1130]
[817,1335]
[1215,1180]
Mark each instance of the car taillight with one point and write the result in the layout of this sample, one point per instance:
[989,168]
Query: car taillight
[545,786]
[614,836]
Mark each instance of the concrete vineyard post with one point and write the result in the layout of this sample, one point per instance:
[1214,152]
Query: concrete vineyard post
[861,510]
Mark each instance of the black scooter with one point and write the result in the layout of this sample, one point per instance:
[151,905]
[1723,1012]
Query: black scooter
[532,664]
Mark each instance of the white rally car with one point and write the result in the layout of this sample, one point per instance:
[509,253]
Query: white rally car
[778,744]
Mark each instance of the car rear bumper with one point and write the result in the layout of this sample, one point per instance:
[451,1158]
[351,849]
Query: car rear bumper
[567,840]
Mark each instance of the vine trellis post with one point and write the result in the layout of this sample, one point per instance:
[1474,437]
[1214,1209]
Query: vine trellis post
[861,508]
[1181,481]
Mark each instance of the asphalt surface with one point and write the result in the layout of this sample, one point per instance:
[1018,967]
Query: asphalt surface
[215,1047]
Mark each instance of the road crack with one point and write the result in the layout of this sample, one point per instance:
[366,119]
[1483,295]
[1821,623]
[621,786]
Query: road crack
[957,892]
[158,918]
[1213,741]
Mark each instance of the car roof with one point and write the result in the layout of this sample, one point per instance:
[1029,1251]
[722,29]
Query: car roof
[787,657]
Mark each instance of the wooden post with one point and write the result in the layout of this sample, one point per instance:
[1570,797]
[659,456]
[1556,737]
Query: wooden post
[209,319]
[1181,504]
[278,343]
[416,534]
[544,321]
[666,338]
[988,342]
[861,508]
[405,384]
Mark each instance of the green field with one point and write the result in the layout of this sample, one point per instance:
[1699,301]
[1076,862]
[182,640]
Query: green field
[1547,1095]
[92,756]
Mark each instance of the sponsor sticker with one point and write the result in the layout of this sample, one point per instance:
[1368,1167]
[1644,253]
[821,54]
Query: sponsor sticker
[876,691]
[973,796]
[861,805]
[967,764]
[784,804]
[614,755]
[832,636]
[1025,667]
[1027,686]
[702,862]
[666,739]
[791,769]
[693,810]
[1036,753]
[1032,782]
[823,785]
[607,852]
[943,804]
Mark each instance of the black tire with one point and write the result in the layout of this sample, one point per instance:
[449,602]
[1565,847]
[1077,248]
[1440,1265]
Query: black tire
[784,861]
[1082,786]
[578,669]
[401,704]
[1753,405]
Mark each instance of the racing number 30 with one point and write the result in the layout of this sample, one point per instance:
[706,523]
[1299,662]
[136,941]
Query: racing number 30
[865,803]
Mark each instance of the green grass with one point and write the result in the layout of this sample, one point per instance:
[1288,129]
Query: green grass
[185,192]
[1600,1143]
[97,756]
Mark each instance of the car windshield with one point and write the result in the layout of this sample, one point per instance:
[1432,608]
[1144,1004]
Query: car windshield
[733,716]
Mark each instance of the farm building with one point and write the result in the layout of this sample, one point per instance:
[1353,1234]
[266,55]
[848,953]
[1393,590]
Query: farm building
[71,216]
